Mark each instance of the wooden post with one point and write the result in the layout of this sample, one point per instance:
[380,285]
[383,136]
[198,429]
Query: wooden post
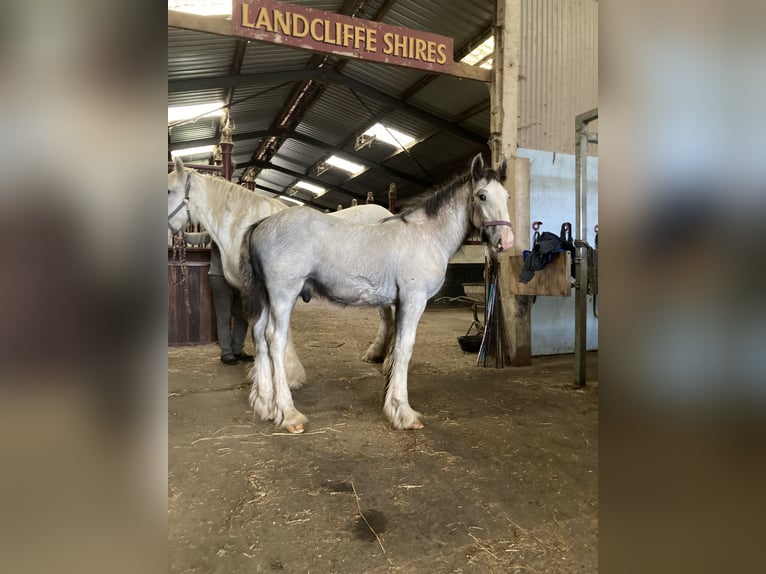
[227,144]
[370,198]
[392,198]
[517,326]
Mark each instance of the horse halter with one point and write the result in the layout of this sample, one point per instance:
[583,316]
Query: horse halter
[180,206]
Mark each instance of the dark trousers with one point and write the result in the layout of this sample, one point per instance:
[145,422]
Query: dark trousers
[230,320]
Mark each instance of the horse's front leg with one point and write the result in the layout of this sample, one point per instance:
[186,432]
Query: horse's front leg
[396,406]
[381,346]
[285,414]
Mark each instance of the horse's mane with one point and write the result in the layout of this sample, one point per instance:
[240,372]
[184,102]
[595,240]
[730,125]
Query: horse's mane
[235,198]
[434,203]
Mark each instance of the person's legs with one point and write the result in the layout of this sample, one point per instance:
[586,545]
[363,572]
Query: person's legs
[222,301]
[239,328]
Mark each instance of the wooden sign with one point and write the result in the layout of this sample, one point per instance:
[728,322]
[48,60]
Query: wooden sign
[291,25]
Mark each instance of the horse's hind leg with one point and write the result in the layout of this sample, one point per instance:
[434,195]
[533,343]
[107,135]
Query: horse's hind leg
[285,414]
[262,390]
[380,347]
[296,374]
[396,404]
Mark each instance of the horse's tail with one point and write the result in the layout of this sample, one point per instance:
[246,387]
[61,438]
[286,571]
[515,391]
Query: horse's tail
[254,294]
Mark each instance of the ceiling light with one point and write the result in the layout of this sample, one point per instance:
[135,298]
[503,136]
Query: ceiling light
[480,54]
[179,113]
[315,190]
[344,164]
[389,135]
[201,150]
[291,201]
[202,7]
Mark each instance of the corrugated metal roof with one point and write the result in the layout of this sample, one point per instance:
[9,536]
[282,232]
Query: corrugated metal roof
[458,20]
[391,80]
[198,55]
[336,114]
[198,97]
[261,58]
[447,96]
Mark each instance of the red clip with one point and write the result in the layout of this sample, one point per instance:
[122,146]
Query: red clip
[536,225]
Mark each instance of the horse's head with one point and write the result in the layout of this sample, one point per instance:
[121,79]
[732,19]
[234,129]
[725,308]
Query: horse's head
[179,182]
[489,212]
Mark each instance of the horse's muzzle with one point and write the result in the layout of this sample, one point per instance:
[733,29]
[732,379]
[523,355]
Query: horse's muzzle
[499,235]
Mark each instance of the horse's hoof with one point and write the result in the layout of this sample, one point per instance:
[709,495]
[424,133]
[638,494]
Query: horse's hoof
[296,429]
[417,425]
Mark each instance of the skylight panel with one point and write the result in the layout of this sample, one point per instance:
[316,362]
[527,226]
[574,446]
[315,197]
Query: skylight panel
[315,190]
[390,136]
[482,54]
[202,7]
[189,151]
[180,113]
[344,164]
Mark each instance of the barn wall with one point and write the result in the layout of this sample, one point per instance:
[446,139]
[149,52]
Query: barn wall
[559,71]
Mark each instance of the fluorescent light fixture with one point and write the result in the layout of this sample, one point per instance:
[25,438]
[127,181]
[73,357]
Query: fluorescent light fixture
[344,164]
[290,200]
[202,7]
[315,190]
[389,135]
[205,149]
[179,113]
[481,53]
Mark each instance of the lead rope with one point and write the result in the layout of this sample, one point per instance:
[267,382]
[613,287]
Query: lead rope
[179,254]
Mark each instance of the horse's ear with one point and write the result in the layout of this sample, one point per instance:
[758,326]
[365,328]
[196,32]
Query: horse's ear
[477,167]
[179,165]
[502,171]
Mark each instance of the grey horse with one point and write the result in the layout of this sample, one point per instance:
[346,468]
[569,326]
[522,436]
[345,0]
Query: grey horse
[401,261]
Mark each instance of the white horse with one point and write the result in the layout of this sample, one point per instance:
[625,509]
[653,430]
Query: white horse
[226,210]
[401,261]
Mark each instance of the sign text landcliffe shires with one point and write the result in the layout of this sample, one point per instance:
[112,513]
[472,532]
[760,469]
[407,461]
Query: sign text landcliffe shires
[283,23]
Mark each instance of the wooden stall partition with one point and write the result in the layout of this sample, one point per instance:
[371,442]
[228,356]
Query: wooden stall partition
[198,326]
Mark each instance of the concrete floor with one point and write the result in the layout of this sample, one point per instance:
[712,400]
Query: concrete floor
[503,478]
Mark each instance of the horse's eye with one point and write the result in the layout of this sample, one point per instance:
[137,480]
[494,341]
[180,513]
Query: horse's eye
[169,192]
[483,196]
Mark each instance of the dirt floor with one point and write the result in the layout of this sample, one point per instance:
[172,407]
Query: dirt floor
[503,478]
